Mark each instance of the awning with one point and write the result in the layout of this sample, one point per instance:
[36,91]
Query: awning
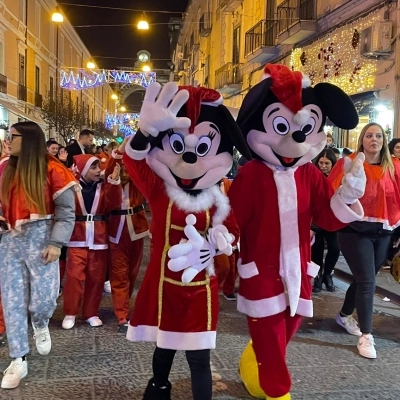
[363,101]
[15,110]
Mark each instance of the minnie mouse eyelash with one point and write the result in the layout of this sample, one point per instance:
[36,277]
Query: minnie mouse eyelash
[211,135]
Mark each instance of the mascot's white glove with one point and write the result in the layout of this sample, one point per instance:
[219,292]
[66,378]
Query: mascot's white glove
[221,239]
[192,255]
[354,179]
[159,114]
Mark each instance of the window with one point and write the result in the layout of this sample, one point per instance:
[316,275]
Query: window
[22,11]
[236,45]
[21,74]
[37,19]
[51,91]
[52,46]
[61,49]
[1,58]
[37,79]
[70,55]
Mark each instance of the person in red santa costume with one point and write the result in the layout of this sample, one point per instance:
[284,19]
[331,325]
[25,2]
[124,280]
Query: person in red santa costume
[87,249]
[182,150]
[127,228]
[282,120]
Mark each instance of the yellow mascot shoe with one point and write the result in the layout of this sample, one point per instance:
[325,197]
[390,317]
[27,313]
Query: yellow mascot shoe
[248,370]
[285,397]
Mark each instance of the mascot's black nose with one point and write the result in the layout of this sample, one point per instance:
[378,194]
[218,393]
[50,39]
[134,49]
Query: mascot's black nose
[299,136]
[189,157]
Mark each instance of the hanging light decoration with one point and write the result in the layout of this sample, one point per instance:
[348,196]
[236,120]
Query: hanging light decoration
[143,24]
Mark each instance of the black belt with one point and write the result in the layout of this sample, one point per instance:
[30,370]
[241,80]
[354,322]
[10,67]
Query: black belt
[128,211]
[90,218]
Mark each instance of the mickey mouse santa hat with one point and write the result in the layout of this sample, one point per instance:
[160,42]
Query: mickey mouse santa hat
[287,86]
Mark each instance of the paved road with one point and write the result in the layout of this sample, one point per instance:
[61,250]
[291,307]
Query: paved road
[98,363]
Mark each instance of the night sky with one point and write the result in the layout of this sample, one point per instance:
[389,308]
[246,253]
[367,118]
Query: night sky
[123,41]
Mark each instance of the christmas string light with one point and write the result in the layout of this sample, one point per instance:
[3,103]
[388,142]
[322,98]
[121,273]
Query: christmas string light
[335,58]
[73,79]
[127,123]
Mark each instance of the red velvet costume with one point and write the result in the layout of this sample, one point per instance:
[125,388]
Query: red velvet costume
[189,322]
[126,240]
[87,253]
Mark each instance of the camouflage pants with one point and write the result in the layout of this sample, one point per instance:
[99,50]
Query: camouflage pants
[26,283]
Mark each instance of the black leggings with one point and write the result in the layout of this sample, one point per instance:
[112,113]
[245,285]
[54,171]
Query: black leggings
[317,251]
[365,255]
[199,363]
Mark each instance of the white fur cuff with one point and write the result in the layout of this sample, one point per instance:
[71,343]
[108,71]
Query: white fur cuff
[345,213]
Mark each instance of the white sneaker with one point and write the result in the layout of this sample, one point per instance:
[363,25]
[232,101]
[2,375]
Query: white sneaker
[366,346]
[68,321]
[17,370]
[43,340]
[348,323]
[107,287]
[95,321]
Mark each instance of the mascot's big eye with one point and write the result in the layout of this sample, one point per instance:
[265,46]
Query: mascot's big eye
[281,125]
[204,146]
[309,127]
[177,144]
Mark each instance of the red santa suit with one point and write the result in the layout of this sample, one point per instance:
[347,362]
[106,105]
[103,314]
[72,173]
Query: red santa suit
[87,249]
[275,284]
[127,227]
[176,315]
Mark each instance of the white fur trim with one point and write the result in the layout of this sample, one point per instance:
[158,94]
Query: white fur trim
[301,117]
[137,155]
[113,181]
[75,185]
[116,156]
[265,76]
[290,262]
[343,212]
[172,340]
[312,269]
[272,305]
[204,201]
[88,165]
[248,270]
[305,82]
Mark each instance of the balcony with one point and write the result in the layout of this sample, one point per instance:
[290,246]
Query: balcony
[260,42]
[194,42]
[22,90]
[38,100]
[297,20]
[3,84]
[230,5]
[228,78]
[205,24]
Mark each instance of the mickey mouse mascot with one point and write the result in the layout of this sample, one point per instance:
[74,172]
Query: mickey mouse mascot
[182,150]
[274,198]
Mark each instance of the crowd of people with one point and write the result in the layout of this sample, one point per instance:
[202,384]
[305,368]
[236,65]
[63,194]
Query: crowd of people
[72,216]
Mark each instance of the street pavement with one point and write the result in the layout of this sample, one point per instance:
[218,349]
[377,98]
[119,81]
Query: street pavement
[98,363]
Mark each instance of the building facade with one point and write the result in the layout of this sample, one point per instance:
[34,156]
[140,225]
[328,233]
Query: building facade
[33,49]
[225,44]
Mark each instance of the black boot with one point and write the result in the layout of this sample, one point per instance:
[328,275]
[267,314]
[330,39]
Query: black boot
[154,393]
[317,284]
[327,279]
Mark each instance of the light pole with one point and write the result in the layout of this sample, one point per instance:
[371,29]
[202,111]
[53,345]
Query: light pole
[115,98]
[57,18]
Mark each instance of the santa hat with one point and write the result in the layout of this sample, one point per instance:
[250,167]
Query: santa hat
[287,86]
[199,96]
[82,163]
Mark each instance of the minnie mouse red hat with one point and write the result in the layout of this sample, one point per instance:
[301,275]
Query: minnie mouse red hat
[287,86]
[199,96]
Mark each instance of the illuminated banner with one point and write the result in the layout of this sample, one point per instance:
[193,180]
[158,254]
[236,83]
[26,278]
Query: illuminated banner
[127,123]
[78,79]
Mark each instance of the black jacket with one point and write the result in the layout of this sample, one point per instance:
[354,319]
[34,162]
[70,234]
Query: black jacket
[73,150]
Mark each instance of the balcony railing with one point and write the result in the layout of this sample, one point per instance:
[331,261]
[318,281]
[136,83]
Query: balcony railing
[38,100]
[292,11]
[22,90]
[229,74]
[261,35]
[3,84]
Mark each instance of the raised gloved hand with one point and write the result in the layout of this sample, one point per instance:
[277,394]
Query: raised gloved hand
[159,114]
[193,255]
[221,239]
[354,179]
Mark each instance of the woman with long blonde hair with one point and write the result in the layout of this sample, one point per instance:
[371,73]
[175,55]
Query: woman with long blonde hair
[364,243]
[37,204]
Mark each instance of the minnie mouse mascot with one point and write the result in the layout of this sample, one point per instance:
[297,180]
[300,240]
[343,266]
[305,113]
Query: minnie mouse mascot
[182,150]
[274,198]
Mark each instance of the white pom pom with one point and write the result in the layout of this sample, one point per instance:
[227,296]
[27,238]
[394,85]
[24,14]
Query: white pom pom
[190,219]
[305,82]
[191,141]
[301,117]
[103,159]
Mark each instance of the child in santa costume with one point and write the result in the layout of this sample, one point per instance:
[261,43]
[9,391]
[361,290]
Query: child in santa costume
[275,197]
[87,249]
[127,227]
[177,162]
